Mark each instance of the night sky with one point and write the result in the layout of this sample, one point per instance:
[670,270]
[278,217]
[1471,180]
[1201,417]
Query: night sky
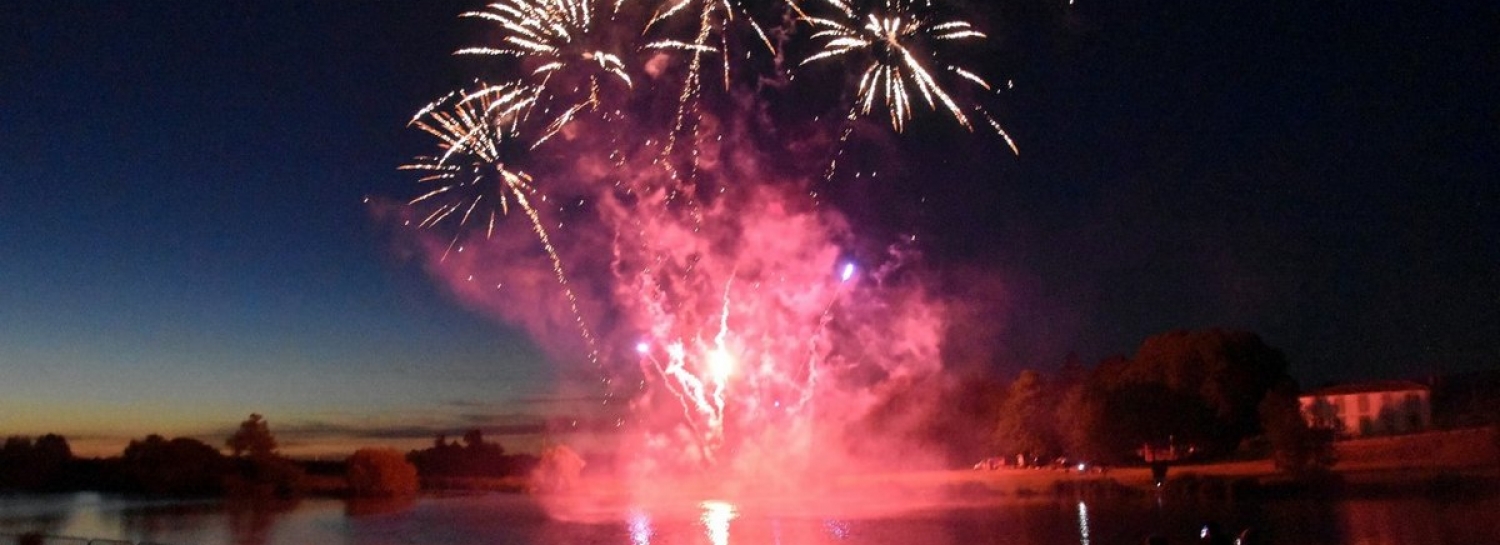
[183,238]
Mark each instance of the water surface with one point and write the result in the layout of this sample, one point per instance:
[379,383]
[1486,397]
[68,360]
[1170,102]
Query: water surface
[517,519]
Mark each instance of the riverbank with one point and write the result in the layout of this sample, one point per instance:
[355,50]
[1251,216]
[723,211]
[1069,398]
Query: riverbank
[1436,462]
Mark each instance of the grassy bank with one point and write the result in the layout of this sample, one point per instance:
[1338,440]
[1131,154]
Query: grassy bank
[1438,462]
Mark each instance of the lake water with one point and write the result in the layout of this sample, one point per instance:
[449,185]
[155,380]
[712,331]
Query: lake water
[517,519]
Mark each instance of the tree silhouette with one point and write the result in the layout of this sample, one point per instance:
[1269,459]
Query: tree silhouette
[15,456]
[1295,447]
[179,467]
[1025,424]
[53,447]
[1324,415]
[475,457]
[39,465]
[1226,373]
[253,437]
[1196,389]
[1077,415]
[259,470]
[474,439]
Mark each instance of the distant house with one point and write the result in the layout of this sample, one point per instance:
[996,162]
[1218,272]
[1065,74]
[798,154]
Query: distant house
[1382,407]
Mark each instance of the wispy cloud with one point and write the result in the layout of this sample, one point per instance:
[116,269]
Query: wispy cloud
[489,424]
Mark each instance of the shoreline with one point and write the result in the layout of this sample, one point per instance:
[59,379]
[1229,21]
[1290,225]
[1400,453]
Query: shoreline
[1432,463]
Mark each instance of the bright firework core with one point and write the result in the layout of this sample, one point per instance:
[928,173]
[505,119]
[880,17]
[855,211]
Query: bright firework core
[661,246]
[720,365]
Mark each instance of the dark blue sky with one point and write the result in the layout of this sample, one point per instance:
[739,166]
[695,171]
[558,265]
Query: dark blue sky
[1321,173]
[182,238]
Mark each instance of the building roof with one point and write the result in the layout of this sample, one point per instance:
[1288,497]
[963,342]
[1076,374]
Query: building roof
[1374,386]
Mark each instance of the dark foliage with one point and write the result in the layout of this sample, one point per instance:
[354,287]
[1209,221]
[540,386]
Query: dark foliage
[381,473]
[177,467]
[1466,399]
[1223,372]
[1026,421]
[258,471]
[1295,447]
[475,457]
[252,438]
[34,465]
[1197,391]
[265,477]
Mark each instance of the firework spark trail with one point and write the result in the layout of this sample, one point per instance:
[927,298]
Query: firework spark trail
[691,87]
[1001,130]
[554,32]
[703,416]
[714,18]
[470,131]
[465,131]
[702,411]
[892,40]
[887,38]
[838,146]
[562,279]
[720,360]
[554,36]
[814,342]
[477,123]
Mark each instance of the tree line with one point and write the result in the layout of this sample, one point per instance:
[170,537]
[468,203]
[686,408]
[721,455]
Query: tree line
[1208,394]
[187,467]
[155,465]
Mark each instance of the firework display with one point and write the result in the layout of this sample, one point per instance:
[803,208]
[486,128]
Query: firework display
[717,302]
[894,69]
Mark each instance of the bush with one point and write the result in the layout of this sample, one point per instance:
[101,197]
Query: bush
[381,472]
[1295,448]
[179,467]
[558,470]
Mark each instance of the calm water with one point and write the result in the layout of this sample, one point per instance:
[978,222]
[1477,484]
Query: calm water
[514,519]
